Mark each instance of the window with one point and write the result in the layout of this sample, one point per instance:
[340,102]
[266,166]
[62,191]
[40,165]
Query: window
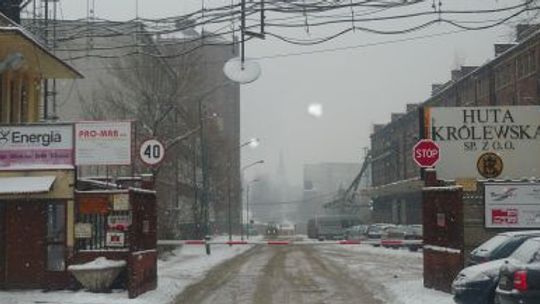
[23,104]
[503,75]
[115,223]
[12,101]
[1,99]
[56,235]
[526,64]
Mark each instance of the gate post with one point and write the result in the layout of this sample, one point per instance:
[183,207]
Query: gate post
[442,212]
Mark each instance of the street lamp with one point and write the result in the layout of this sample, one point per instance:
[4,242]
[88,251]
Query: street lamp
[247,205]
[242,217]
[252,164]
[252,143]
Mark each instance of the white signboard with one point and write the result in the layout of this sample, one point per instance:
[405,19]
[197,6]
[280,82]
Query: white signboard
[115,239]
[103,143]
[119,222]
[512,205]
[43,146]
[486,142]
[83,230]
[121,202]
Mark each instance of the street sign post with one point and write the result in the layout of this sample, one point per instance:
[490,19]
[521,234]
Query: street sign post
[152,152]
[426,153]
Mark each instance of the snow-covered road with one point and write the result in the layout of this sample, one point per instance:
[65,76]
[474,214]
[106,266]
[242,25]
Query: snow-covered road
[270,274]
[316,274]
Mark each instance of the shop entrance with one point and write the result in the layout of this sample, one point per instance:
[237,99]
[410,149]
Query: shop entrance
[23,251]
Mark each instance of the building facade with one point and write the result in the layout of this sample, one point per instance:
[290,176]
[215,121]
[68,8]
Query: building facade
[511,78]
[162,92]
[323,182]
[36,177]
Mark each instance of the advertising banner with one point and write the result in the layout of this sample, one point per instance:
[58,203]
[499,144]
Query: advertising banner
[485,142]
[103,143]
[36,146]
[512,205]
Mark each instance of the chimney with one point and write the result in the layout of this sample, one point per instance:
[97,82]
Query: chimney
[396,116]
[456,75]
[12,9]
[378,127]
[465,70]
[436,88]
[502,47]
[411,107]
[525,30]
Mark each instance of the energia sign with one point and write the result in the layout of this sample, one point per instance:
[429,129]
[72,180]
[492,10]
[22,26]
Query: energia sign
[36,146]
[512,205]
[103,143]
[485,142]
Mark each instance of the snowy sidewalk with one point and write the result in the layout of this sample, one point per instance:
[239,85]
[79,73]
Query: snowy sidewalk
[398,272]
[185,266]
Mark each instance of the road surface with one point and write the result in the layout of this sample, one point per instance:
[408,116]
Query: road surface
[294,274]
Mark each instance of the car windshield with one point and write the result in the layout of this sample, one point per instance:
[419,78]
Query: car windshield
[492,243]
[528,252]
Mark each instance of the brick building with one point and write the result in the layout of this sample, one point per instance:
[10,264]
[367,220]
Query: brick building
[50,219]
[111,56]
[511,78]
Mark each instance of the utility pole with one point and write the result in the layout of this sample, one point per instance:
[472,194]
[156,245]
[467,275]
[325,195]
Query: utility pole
[247,212]
[45,81]
[229,218]
[204,168]
[243,34]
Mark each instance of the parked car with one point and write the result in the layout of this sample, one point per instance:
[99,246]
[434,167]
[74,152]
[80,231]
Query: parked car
[357,232]
[416,233]
[520,276]
[374,231]
[500,246]
[476,284]
[393,233]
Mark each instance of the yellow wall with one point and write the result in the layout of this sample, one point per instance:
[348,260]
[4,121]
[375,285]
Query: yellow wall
[32,83]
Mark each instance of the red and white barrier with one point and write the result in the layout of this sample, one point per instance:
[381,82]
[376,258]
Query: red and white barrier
[384,243]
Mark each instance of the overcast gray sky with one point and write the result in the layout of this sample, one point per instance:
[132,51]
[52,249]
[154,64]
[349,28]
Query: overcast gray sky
[357,87]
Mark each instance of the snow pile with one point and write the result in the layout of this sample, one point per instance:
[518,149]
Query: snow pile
[398,271]
[414,292]
[98,264]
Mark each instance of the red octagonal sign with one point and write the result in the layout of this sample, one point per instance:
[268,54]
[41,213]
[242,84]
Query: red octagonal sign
[426,153]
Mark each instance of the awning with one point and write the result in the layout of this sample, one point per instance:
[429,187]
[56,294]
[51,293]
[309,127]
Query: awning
[26,184]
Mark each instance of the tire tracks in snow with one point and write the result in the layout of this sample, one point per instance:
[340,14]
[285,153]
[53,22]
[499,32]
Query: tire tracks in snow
[279,275]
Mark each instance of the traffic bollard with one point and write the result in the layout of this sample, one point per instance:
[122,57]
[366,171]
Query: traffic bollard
[207,244]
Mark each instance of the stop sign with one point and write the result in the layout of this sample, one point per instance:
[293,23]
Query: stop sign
[426,153]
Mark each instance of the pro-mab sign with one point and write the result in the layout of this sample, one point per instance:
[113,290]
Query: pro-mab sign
[485,142]
[32,146]
[103,143]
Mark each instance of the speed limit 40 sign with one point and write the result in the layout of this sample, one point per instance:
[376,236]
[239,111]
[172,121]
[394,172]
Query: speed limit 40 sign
[152,152]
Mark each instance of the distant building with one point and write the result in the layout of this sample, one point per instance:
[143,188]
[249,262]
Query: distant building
[275,199]
[323,183]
